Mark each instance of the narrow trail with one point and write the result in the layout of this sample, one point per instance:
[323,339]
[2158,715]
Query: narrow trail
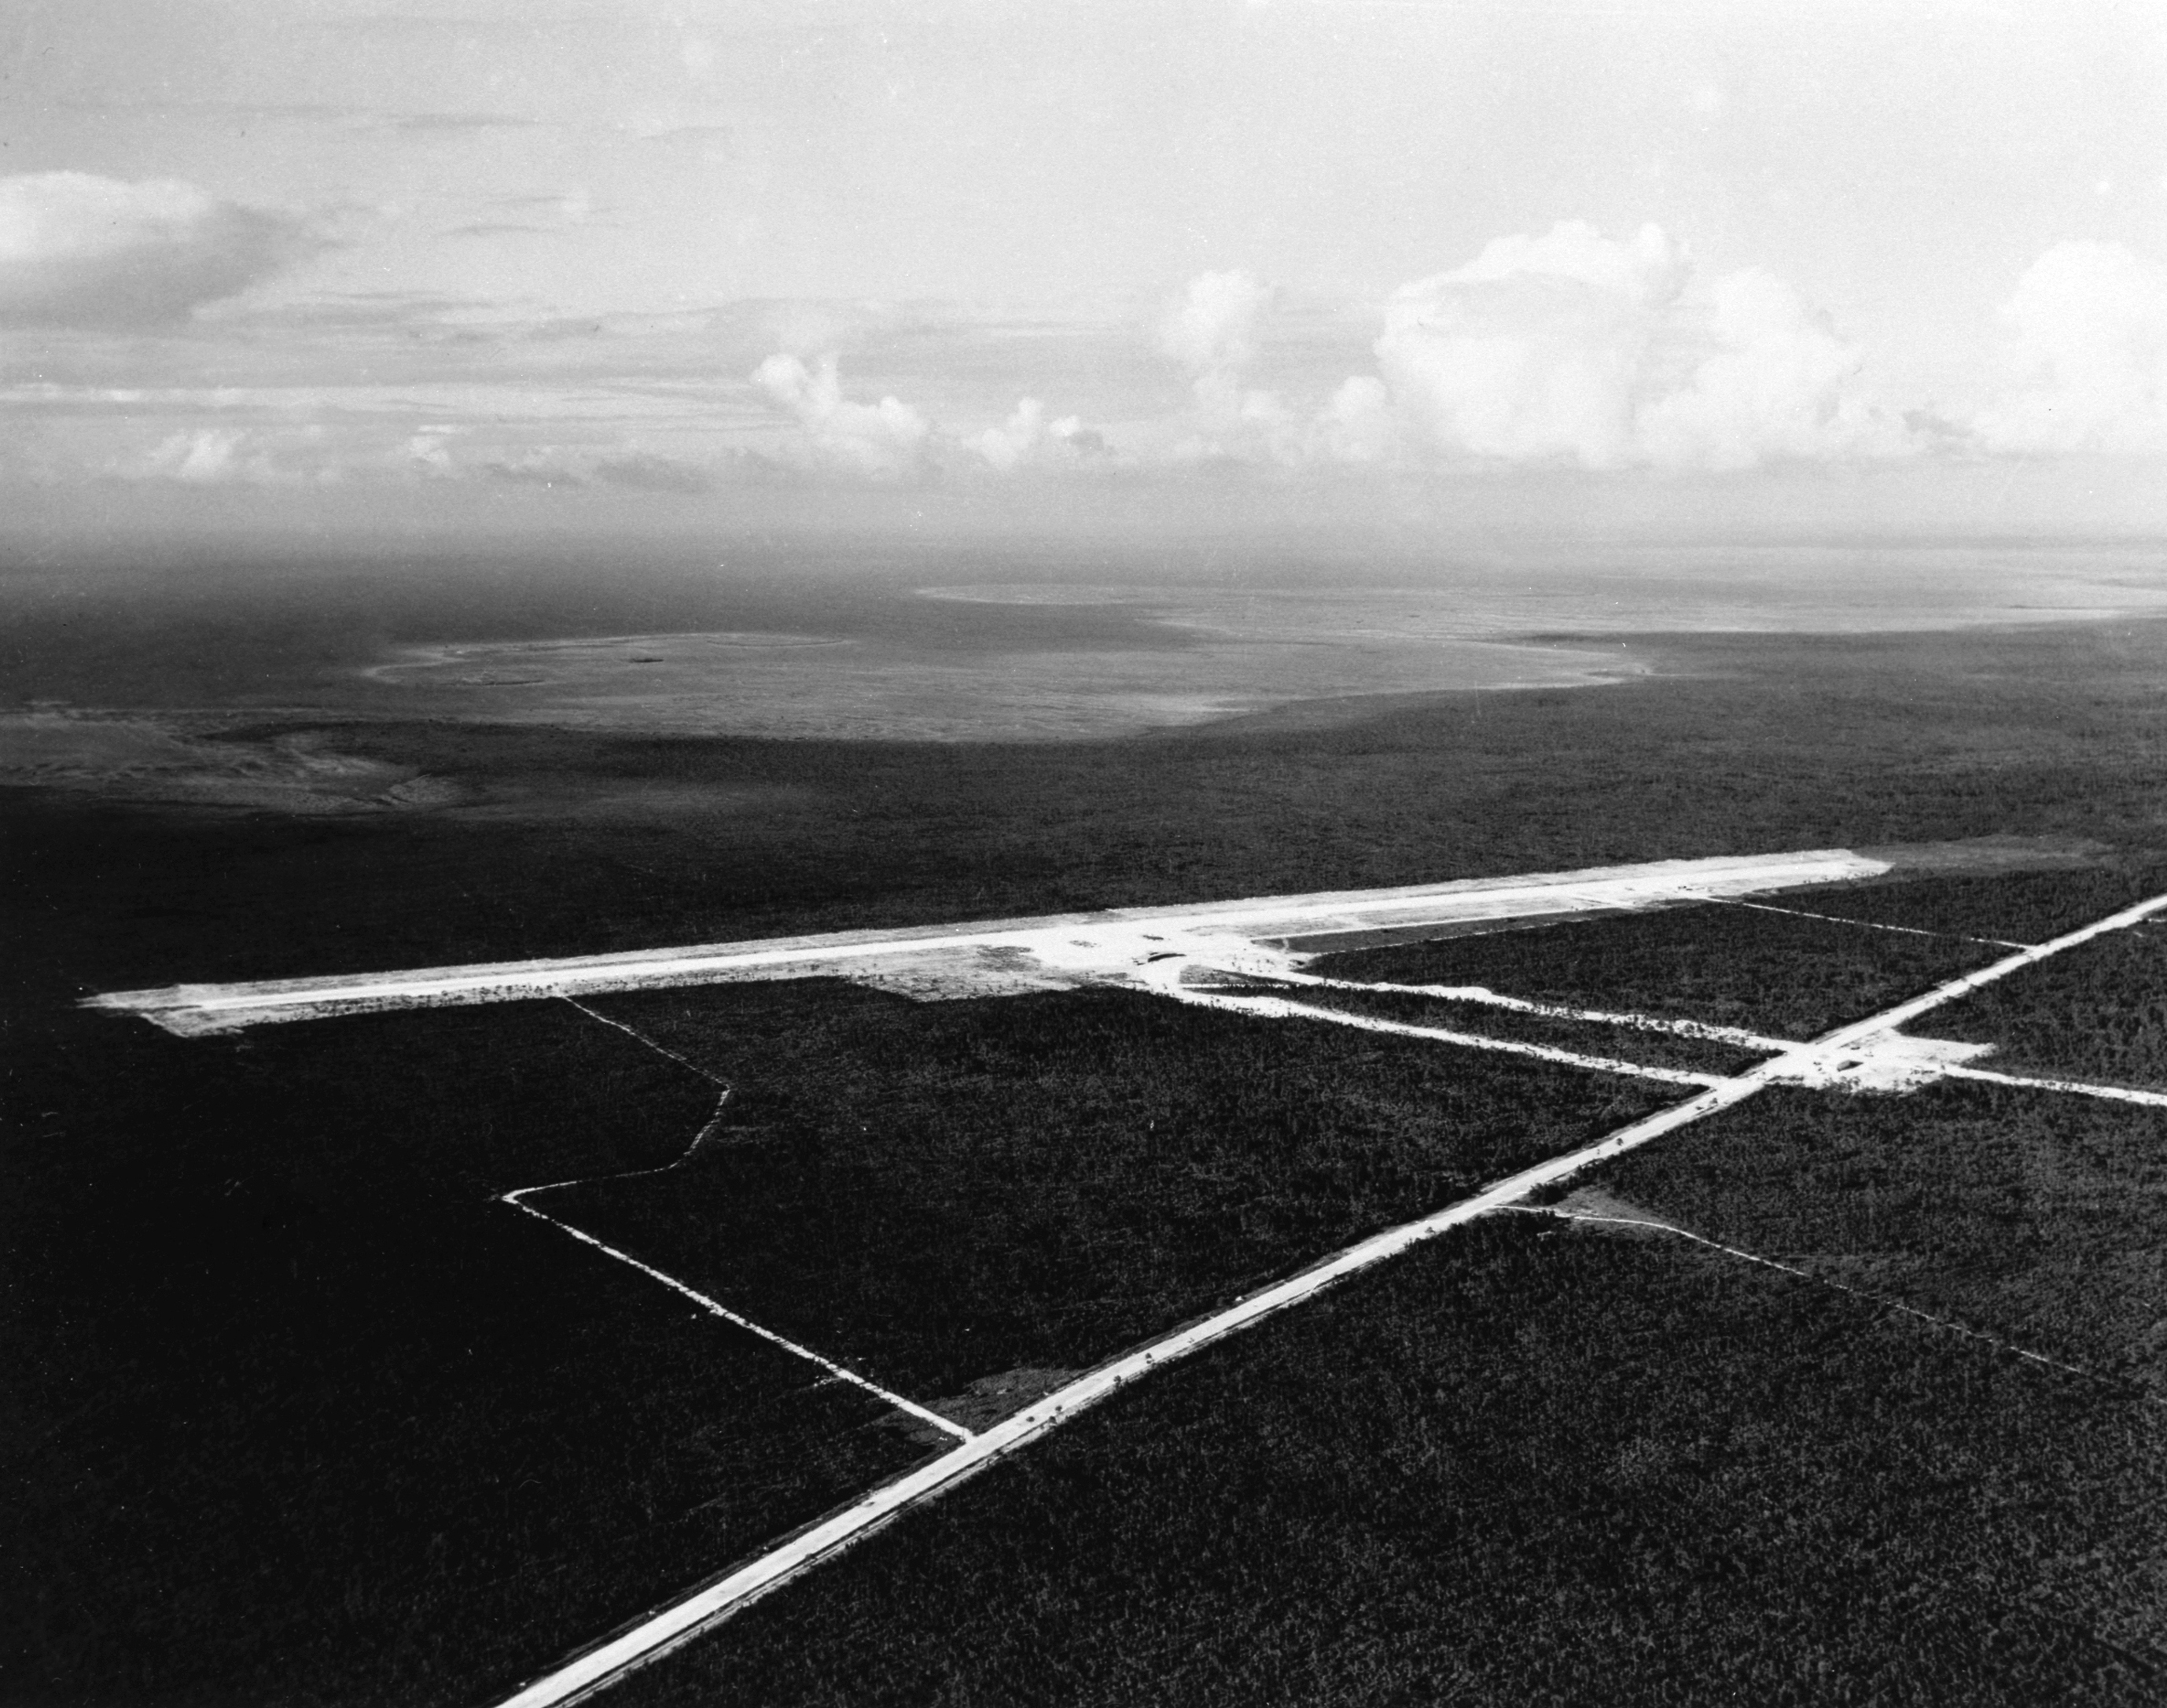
[1837,918]
[517,1200]
[679,1622]
[1881,1299]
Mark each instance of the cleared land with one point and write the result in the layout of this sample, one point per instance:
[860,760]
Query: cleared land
[1003,957]
[1644,1046]
[1516,1465]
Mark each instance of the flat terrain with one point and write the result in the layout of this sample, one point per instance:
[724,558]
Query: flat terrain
[1644,1048]
[311,1416]
[1720,963]
[2039,1218]
[2102,1014]
[936,1194]
[1519,1466]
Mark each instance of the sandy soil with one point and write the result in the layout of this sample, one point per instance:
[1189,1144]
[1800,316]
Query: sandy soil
[187,761]
[797,686]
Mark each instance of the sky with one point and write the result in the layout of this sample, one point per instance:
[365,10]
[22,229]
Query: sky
[1903,265]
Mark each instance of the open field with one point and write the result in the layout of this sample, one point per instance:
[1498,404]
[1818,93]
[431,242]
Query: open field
[1518,1466]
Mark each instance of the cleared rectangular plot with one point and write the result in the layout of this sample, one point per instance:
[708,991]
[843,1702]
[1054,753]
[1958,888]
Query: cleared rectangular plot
[321,1422]
[1520,1464]
[2036,1217]
[2097,1012]
[1641,1046]
[1722,963]
[2026,907]
[944,1195]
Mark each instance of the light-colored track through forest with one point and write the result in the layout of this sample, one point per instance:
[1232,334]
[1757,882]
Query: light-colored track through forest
[1823,1060]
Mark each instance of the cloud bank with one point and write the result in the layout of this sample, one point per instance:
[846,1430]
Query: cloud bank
[887,438]
[1580,348]
[1563,351]
[2087,353]
[1212,327]
[77,250]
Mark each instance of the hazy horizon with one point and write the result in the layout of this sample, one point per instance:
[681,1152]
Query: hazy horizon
[360,270]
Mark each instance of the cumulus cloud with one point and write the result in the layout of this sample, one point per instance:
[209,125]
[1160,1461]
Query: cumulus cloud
[1027,437]
[207,455]
[888,438]
[1211,329]
[1778,384]
[2089,351]
[1575,346]
[1358,425]
[77,250]
[1212,326]
[226,456]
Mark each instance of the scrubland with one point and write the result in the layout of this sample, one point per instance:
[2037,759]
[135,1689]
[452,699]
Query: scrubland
[1527,1464]
[299,1413]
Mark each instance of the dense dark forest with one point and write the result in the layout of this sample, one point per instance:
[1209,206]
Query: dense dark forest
[302,1414]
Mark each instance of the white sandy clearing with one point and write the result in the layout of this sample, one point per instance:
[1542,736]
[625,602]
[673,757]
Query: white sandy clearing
[2081,1088]
[1278,1008]
[1706,1030]
[1113,946]
[679,1622]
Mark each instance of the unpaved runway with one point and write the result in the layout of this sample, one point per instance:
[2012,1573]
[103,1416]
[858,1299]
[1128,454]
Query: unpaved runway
[1827,1059]
[1001,957]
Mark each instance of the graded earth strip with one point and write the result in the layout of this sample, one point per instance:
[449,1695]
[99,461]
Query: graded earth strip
[716,1309]
[681,1621]
[1706,1030]
[2079,1088]
[1278,1007]
[1837,918]
[678,1623]
[1080,946]
[517,1198]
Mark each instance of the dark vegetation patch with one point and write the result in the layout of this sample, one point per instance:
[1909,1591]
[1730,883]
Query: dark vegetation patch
[933,1193]
[300,1415]
[1518,1466]
[1770,973]
[1629,1043]
[2037,1216]
[2098,1011]
[2025,907]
